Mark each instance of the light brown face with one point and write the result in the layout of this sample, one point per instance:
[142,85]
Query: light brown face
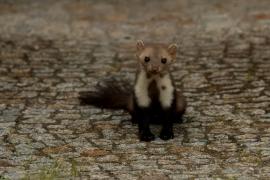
[155,59]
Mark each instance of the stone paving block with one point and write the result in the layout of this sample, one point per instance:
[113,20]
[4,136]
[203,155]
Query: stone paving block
[52,50]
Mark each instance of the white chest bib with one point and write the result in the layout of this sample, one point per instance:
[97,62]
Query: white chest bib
[165,88]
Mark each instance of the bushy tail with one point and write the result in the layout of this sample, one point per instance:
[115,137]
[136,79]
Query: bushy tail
[111,94]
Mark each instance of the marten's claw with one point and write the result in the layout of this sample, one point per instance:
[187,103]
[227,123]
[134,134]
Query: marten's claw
[166,135]
[147,136]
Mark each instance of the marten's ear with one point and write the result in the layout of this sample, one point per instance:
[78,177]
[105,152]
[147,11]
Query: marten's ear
[172,49]
[140,45]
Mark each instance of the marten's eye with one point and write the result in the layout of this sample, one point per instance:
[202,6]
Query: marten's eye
[163,60]
[146,59]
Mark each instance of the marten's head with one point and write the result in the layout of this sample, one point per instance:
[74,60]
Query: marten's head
[155,58]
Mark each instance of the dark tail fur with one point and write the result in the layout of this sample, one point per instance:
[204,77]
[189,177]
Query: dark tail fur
[111,94]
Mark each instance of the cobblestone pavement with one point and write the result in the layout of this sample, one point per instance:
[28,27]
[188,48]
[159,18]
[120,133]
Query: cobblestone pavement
[52,50]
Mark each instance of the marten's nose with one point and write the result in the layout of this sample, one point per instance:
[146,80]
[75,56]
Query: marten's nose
[155,69]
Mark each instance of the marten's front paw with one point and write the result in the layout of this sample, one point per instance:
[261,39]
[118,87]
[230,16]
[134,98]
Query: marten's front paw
[166,135]
[147,136]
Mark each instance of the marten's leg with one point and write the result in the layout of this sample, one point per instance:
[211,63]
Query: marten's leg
[171,115]
[143,117]
[167,125]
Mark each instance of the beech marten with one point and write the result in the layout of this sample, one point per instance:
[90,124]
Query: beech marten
[153,98]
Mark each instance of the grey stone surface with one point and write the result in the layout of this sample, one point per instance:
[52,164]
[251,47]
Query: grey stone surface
[52,50]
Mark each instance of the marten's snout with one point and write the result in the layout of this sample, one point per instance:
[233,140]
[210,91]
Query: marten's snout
[155,69]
